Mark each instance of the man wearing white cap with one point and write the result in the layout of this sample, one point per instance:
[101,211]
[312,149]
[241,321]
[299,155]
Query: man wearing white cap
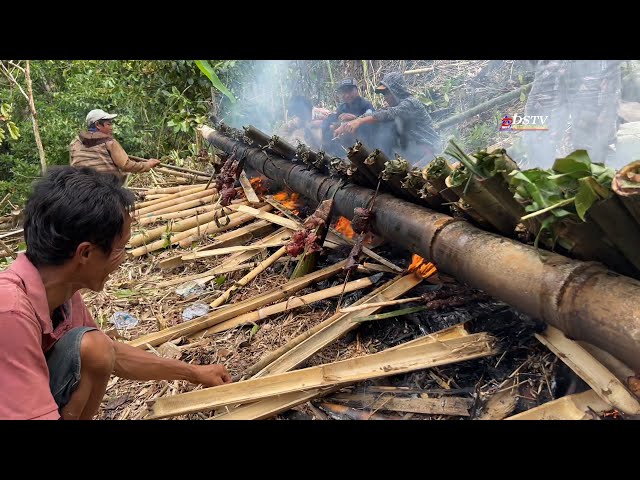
[96,148]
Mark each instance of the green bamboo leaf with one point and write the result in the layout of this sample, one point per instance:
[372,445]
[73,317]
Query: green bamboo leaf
[254,330]
[220,280]
[5,110]
[13,130]
[125,293]
[210,73]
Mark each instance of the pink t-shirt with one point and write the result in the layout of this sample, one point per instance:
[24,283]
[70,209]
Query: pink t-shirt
[26,333]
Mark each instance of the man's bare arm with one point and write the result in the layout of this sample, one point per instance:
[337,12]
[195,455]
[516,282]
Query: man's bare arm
[136,364]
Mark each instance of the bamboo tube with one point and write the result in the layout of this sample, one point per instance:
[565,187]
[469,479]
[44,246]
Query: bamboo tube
[619,226]
[169,190]
[357,154]
[187,176]
[179,226]
[486,205]
[587,241]
[230,238]
[197,231]
[233,223]
[180,214]
[177,201]
[155,196]
[199,202]
[263,215]
[165,198]
[275,144]
[585,301]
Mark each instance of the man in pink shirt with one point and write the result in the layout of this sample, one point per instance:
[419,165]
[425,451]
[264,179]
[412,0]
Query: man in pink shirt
[56,362]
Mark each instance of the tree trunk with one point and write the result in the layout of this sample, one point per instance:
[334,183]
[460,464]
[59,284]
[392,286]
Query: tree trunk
[34,118]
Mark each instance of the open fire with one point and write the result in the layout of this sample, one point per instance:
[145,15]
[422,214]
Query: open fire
[258,186]
[290,202]
[418,266]
[343,225]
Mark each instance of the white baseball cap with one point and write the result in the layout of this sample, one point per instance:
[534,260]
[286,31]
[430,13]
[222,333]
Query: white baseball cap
[98,114]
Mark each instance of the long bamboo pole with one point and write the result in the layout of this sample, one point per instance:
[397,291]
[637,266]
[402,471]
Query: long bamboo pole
[583,299]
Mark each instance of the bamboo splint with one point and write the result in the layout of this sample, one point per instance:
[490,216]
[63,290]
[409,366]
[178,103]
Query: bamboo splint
[292,303]
[269,407]
[193,326]
[228,239]
[347,371]
[597,376]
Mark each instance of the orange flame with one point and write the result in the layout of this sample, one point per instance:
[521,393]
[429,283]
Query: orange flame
[258,187]
[343,225]
[288,202]
[425,270]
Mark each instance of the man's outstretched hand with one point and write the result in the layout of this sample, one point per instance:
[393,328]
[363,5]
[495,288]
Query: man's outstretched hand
[153,163]
[211,375]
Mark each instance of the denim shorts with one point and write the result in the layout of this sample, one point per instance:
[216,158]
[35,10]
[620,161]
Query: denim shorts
[63,361]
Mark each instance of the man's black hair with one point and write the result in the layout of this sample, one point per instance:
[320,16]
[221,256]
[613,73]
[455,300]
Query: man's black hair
[69,206]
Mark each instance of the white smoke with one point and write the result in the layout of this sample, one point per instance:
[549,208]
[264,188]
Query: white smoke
[261,95]
[580,99]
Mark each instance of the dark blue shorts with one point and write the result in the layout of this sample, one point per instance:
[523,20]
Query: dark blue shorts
[63,361]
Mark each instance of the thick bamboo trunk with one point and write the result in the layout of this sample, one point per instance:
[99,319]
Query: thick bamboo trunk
[276,144]
[584,300]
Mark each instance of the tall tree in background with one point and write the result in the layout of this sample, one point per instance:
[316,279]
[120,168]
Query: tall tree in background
[8,68]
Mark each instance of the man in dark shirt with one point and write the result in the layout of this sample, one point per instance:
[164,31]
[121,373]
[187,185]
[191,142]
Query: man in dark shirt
[352,107]
[404,126]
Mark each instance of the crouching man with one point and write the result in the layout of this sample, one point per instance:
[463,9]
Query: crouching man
[56,361]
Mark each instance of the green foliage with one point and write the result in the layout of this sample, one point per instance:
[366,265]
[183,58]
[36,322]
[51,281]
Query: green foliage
[5,123]
[206,68]
[159,104]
